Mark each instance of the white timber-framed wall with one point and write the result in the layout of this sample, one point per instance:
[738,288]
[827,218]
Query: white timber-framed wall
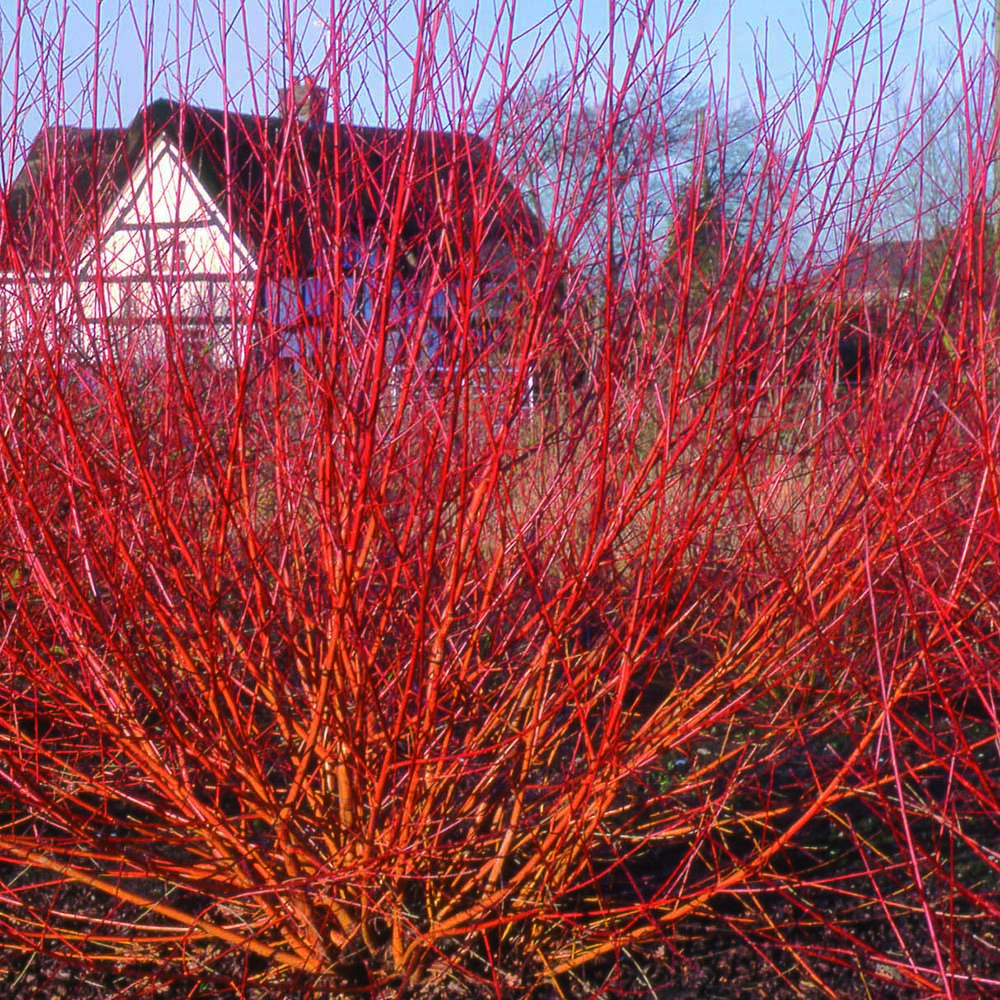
[164,263]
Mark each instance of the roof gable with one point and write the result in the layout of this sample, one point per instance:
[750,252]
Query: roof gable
[162,207]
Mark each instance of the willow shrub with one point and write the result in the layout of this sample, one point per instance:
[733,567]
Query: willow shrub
[629,623]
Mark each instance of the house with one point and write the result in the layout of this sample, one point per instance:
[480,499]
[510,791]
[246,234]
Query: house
[908,299]
[886,271]
[230,236]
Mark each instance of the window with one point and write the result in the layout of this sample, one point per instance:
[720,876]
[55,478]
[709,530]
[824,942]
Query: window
[166,254]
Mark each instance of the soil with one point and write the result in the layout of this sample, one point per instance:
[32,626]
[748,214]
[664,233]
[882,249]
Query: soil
[811,926]
[793,958]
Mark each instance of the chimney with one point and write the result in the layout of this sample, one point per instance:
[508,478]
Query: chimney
[304,100]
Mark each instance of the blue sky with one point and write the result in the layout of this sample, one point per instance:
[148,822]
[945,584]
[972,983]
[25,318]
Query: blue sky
[135,48]
[98,63]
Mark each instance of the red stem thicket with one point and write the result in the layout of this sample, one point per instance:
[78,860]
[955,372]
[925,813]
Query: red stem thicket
[642,619]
